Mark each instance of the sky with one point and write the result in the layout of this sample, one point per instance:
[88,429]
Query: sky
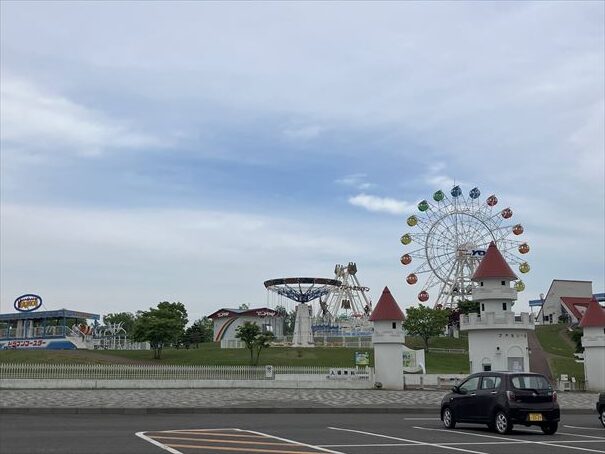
[189,151]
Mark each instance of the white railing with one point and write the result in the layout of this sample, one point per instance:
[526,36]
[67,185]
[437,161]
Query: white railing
[164,372]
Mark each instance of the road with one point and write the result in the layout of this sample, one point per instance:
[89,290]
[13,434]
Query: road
[283,433]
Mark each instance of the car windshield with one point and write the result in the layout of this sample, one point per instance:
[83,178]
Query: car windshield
[530,382]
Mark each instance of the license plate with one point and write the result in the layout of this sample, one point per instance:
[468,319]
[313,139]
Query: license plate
[535,416]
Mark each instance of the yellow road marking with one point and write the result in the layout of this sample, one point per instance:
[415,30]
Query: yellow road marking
[223,448]
[222,441]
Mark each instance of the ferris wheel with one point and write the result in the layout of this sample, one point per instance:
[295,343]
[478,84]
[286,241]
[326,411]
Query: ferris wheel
[448,238]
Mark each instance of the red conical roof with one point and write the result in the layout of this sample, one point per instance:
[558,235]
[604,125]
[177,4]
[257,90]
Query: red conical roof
[594,315]
[386,308]
[493,266]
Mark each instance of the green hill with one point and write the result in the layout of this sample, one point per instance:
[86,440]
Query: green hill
[557,343]
[212,354]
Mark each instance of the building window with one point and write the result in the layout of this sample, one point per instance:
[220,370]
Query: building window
[394,325]
[503,306]
[482,307]
[503,282]
[487,368]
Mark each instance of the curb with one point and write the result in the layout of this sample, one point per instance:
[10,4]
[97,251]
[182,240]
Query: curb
[236,410]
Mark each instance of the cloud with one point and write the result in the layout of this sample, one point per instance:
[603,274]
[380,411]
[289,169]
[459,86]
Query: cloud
[437,177]
[34,119]
[356,180]
[137,256]
[381,204]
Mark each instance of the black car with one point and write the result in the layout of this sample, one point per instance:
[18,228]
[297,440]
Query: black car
[601,408]
[501,399]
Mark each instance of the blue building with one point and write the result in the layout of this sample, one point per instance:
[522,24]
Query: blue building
[60,329]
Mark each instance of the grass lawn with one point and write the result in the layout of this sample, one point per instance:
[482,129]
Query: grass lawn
[561,365]
[438,342]
[52,356]
[212,354]
[206,354]
[555,340]
[450,363]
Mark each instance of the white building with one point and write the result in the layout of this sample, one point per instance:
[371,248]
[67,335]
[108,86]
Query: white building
[497,338]
[388,341]
[226,322]
[558,300]
[593,341]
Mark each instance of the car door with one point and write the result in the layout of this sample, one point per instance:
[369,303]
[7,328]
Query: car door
[465,399]
[486,396]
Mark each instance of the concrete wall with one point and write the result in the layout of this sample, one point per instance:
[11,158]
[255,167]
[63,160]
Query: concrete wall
[593,342]
[483,348]
[307,383]
[438,381]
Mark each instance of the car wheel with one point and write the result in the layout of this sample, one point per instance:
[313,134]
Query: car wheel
[550,428]
[448,418]
[603,416]
[502,424]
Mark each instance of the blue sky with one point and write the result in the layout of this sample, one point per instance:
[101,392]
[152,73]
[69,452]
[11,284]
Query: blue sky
[189,151]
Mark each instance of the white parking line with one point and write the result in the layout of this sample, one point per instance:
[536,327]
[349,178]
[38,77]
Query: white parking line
[422,419]
[584,428]
[414,442]
[456,443]
[567,433]
[545,443]
[291,441]
[157,443]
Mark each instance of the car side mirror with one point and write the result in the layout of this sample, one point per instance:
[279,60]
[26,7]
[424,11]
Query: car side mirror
[455,389]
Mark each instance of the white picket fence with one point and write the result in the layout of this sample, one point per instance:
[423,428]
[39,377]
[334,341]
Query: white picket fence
[166,372]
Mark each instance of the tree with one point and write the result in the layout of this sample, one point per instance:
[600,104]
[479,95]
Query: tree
[464,307]
[160,326]
[127,320]
[200,331]
[289,319]
[244,307]
[576,336]
[468,307]
[250,334]
[424,322]
[262,342]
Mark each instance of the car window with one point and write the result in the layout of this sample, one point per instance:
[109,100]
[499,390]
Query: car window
[530,382]
[490,383]
[470,384]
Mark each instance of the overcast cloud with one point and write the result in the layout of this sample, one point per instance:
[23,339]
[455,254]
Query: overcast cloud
[189,151]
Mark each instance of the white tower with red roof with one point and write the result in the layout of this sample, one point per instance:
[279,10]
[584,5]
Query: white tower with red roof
[497,338]
[593,341]
[388,341]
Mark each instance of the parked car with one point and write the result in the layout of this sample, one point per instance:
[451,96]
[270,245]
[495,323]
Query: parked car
[601,408]
[502,399]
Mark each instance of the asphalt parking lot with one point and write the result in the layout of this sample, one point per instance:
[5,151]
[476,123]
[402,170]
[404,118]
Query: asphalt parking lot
[284,434]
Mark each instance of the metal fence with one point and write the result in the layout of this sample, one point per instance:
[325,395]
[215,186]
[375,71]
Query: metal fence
[166,372]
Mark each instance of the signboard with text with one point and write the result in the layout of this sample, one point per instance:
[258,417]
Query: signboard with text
[28,303]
